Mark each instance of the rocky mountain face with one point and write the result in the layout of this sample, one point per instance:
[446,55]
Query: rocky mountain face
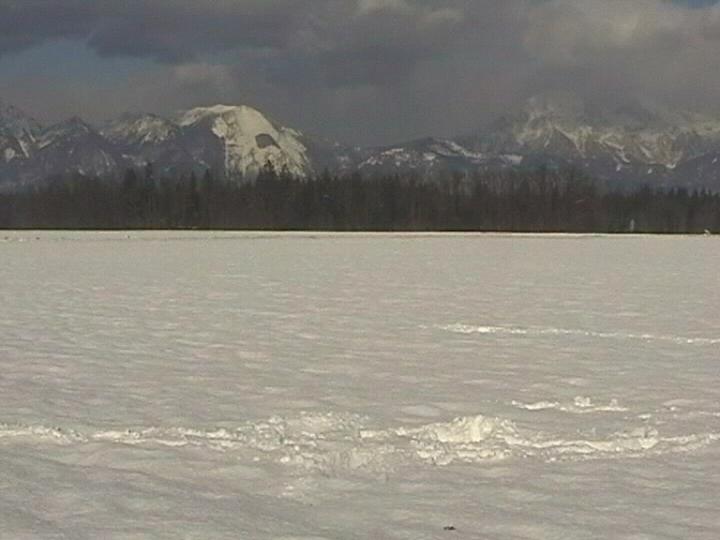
[627,144]
[233,141]
[430,157]
[72,146]
[630,144]
[18,134]
[143,138]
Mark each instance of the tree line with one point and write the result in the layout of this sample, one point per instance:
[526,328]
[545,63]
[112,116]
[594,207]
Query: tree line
[513,201]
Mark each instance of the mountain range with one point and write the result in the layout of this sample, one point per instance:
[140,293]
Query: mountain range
[624,145]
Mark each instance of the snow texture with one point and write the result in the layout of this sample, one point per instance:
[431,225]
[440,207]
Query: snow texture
[322,386]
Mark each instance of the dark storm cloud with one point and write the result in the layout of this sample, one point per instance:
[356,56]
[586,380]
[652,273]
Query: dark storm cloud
[629,48]
[357,40]
[26,23]
[382,69]
[167,30]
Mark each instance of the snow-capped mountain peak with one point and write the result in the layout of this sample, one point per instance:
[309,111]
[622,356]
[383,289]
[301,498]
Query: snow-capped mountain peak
[603,140]
[249,139]
[71,129]
[141,129]
[18,132]
[73,146]
[631,142]
[192,116]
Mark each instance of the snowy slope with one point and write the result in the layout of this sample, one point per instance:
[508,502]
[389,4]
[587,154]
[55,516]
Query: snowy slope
[629,142]
[623,144]
[230,140]
[424,155]
[249,139]
[148,138]
[74,146]
[429,158]
[141,129]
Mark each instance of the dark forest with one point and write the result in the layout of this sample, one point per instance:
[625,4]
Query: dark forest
[512,201]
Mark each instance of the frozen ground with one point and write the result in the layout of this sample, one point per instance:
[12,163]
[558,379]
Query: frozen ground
[359,387]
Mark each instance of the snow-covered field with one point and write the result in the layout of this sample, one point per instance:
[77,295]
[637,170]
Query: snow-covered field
[258,386]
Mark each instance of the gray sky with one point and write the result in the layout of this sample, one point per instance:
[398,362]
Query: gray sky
[361,71]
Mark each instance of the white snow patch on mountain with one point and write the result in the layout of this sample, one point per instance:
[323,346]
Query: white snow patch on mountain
[251,140]
[141,129]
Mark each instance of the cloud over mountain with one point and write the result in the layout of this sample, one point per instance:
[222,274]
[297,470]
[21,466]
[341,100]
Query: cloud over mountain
[368,69]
